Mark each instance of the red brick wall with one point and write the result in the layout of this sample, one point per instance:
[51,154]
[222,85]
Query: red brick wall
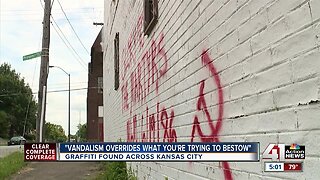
[94,99]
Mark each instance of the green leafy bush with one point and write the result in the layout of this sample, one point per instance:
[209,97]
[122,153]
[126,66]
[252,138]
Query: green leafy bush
[115,171]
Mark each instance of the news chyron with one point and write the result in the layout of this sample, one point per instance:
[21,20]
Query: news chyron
[284,158]
[144,151]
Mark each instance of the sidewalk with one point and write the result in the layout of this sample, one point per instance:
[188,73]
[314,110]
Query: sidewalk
[58,170]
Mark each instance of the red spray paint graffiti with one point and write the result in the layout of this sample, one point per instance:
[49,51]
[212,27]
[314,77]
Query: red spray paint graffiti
[150,69]
[142,80]
[135,40]
[202,106]
[155,127]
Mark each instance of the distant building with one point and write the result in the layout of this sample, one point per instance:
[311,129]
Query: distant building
[95,93]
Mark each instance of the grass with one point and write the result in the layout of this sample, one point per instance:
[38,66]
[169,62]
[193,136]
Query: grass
[11,164]
[115,171]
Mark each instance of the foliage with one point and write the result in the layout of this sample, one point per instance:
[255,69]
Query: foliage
[131,175]
[54,133]
[11,164]
[30,137]
[115,170]
[82,132]
[4,124]
[73,137]
[17,104]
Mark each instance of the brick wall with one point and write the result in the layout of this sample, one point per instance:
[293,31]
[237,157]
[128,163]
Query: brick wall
[94,96]
[220,70]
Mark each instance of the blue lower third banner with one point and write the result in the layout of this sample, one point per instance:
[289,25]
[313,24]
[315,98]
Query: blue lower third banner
[183,152]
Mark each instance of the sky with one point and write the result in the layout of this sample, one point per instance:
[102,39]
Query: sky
[21,34]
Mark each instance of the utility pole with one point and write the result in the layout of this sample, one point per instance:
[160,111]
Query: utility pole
[44,69]
[79,127]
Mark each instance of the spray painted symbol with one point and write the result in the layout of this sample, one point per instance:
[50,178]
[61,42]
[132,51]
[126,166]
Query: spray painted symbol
[202,106]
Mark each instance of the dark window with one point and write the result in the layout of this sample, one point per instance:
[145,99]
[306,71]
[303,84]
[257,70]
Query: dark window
[150,15]
[116,62]
[100,85]
[90,68]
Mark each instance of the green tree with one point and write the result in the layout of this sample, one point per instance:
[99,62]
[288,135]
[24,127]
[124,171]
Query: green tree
[54,133]
[16,103]
[4,124]
[73,137]
[82,132]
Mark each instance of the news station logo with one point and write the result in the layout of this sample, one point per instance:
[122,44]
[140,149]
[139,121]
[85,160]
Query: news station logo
[281,152]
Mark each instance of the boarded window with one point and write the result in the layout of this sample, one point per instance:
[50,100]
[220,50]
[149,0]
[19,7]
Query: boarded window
[116,62]
[100,111]
[150,15]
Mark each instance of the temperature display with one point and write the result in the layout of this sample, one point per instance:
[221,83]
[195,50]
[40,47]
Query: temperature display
[293,166]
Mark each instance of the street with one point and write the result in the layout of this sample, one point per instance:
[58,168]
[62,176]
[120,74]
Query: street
[57,170]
